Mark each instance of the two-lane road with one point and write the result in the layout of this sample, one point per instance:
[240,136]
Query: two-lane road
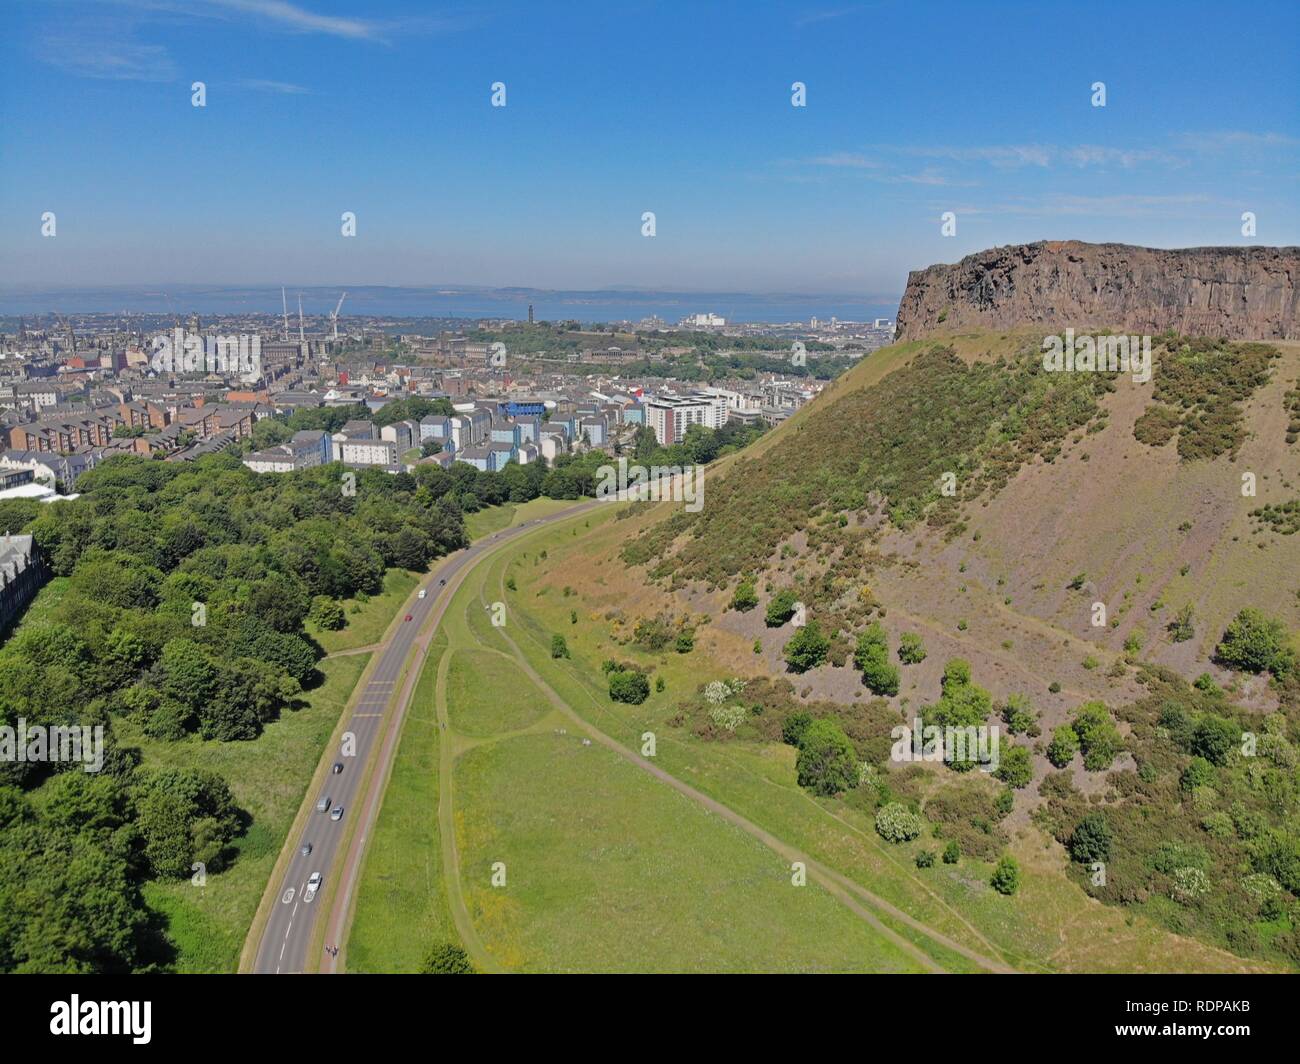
[295,914]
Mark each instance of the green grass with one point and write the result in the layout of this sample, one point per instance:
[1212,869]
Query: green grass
[484,522]
[370,620]
[609,870]
[401,901]
[488,694]
[268,777]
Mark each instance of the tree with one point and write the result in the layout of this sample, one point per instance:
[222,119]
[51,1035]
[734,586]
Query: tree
[327,613]
[952,852]
[827,762]
[559,648]
[911,651]
[1063,747]
[1018,715]
[781,608]
[880,676]
[447,959]
[1091,839]
[745,597]
[632,688]
[1254,642]
[1006,876]
[685,641]
[807,649]
[794,726]
[1099,739]
[1183,626]
[1015,768]
[872,642]
[871,655]
[1214,738]
[1198,773]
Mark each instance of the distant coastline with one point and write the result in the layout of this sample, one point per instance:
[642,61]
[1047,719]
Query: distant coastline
[445,301]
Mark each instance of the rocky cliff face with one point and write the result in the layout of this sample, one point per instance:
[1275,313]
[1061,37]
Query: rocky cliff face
[1246,293]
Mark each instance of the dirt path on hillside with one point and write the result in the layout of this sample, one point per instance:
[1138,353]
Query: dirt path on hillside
[841,887]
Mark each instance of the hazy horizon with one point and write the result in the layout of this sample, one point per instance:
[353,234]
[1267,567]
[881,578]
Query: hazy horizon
[384,110]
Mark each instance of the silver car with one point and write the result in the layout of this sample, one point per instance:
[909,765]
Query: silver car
[336,813]
[323,804]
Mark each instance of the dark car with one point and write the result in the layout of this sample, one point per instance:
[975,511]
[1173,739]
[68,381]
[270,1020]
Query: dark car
[306,849]
[408,616]
[338,767]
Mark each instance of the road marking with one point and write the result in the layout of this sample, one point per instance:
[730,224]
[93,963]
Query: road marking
[288,896]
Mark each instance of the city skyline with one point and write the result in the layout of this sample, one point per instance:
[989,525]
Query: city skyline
[385,111]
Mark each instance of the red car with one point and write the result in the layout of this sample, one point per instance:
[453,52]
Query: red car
[408,616]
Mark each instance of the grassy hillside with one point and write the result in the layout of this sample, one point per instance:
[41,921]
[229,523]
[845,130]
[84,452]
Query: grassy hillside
[1095,539]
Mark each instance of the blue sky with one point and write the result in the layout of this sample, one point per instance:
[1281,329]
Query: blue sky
[682,108]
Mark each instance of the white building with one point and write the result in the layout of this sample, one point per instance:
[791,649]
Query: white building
[367,452]
[669,416]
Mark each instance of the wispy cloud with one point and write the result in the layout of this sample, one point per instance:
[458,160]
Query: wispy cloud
[1235,140]
[848,160]
[296,19]
[811,18]
[285,88]
[1116,206]
[111,53]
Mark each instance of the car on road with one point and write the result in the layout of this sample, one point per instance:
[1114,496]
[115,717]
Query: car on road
[423,592]
[306,849]
[442,583]
[336,813]
[322,804]
[338,767]
[408,616]
[313,882]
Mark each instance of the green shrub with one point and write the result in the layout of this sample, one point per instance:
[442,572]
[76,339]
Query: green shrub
[1063,747]
[896,823]
[745,597]
[807,648]
[911,651]
[1006,876]
[827,762]
[781,608]
[1254,642]
[631,688]
[1091,839]
[1015,769]
[794,726]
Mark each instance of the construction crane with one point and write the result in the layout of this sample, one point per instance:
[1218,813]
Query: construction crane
[301,337]
[284,306]
[334,318]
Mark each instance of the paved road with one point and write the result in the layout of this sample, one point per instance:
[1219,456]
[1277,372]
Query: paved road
[289,929]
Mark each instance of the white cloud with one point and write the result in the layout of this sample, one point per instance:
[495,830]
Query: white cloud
[283,87]
[299,20]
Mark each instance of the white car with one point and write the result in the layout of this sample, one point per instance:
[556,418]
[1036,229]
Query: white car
[423,592]
[313,883]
